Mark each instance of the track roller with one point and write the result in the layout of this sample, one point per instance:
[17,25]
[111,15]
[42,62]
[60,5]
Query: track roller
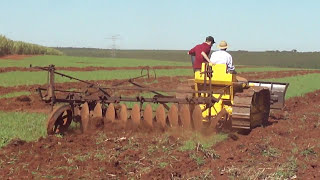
[161,116]
[85,117]
[185,116]
[173,116]
[135,115]
[147,116]
[59,120]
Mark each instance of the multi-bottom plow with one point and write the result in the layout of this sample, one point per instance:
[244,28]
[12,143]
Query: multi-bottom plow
[214,99]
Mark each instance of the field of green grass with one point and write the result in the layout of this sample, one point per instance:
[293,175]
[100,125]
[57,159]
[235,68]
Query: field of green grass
[268,58]
[70,61]
[15,94]
[299,85]
[29,78]
[22,125]
[31,126]
[16,78]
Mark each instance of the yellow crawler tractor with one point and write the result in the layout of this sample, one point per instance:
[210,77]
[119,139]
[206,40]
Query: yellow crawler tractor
[242,104]
[215,99]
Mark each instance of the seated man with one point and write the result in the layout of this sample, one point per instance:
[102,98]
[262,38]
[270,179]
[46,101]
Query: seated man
[223,57]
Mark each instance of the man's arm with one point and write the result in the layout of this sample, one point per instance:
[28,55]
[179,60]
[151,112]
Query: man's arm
[205,56]
[230,64]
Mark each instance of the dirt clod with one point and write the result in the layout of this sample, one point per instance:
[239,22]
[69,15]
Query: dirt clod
[23,99]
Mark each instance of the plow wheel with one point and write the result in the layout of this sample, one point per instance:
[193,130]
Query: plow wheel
[173,116]
[123,116]
[185,116]
[161,116]
[96,116]
[147,116]
[197,118]
[135,115]
[110,114]
[59,120]
[85,117]
[97,112]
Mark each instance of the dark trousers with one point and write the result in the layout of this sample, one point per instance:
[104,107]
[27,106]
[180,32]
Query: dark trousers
[193,58]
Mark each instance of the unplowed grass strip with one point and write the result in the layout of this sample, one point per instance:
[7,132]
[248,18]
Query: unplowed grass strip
[25,126]
[29,78]
[15,94]
[90,68]
[69,61]
[264,69]
[275,75]
[299,85]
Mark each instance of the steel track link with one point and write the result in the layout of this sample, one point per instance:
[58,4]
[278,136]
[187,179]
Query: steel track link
[251,108]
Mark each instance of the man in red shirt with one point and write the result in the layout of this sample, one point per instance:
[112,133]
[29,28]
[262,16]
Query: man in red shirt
[199,54]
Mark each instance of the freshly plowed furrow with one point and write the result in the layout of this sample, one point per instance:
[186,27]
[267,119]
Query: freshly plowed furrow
[275,74]
[171,81]
[92,68]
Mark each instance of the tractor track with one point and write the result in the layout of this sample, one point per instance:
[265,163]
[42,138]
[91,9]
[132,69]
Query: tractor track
[118,153]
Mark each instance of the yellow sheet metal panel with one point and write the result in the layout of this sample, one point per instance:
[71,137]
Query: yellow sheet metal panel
[219,75]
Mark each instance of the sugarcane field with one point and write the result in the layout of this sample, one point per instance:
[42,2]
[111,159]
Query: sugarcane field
[156,103]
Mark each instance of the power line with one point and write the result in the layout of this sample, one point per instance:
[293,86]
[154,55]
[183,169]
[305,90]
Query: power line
[114,38]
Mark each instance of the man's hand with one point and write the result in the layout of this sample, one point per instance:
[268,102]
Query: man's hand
[205,56]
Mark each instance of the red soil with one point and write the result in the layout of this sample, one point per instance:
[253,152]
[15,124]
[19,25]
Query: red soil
[16,57]
[277,74]
[35,104]
[91,68]
[289,144]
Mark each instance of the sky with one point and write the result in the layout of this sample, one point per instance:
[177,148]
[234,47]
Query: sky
[253,25]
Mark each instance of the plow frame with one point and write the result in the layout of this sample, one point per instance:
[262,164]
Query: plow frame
[77,98]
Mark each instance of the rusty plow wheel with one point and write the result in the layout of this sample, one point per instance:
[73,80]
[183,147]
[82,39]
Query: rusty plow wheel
[96,115]
[185,116]
[135,115]
[59,120]
[161,116]
[85,117]
[173,116]
[197,118]
[123,116]
[147,116]
[110,114]
[97,112]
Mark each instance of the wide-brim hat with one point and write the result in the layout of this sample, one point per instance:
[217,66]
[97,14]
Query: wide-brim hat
[222,45]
